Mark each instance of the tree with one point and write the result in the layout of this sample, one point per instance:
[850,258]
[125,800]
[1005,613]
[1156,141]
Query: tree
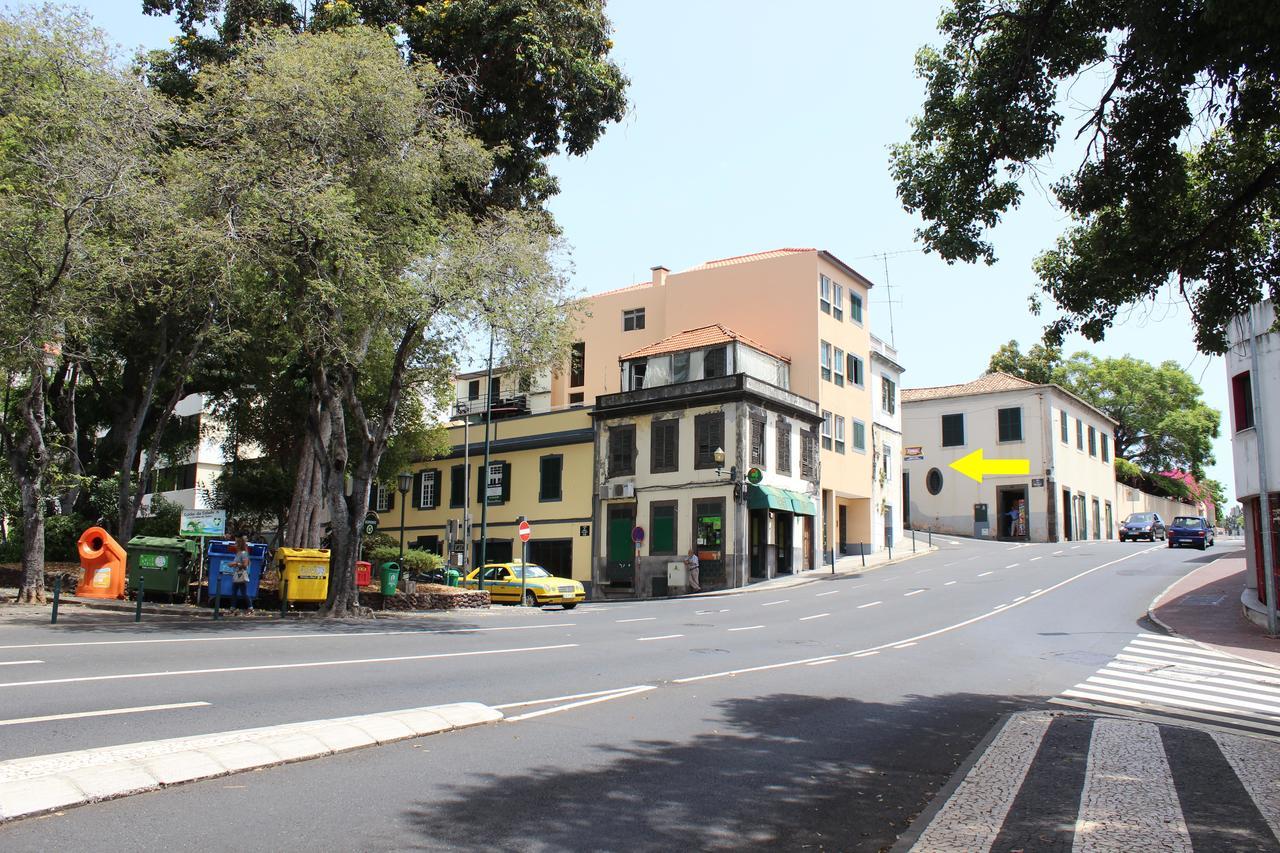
[535,76]
[1178,182]
[1039,364]
[1162,420]
[77,139]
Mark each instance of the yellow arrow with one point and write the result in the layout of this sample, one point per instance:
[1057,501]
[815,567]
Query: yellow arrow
[975,467]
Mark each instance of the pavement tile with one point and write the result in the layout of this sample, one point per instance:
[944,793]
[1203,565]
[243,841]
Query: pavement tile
[111,780]
[240,756]
[383,728]
[183,767]
[294,746]
[339,737]
[37,795]
[461,714]
[422,721]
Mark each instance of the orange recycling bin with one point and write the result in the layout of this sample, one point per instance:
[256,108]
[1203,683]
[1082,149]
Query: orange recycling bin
[103,561]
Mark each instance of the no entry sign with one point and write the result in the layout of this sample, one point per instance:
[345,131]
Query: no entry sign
[525,531]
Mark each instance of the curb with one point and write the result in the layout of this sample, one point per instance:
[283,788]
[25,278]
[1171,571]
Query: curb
[45,783]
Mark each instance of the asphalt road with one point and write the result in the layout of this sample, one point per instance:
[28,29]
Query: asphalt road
[824,716]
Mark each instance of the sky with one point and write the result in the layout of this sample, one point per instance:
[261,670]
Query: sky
[750,129]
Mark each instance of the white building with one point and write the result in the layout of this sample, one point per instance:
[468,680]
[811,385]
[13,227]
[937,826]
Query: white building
[190,481]
[886,444]
[1069,490]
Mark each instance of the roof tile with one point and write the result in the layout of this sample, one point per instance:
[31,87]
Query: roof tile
[703,336]
[988,383]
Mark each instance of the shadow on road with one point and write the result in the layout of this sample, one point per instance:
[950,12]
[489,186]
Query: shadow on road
[780,772]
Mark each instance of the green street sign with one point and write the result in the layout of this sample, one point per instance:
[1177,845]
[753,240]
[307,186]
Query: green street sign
[754,476]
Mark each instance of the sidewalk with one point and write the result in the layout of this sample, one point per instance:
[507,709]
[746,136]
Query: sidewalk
[1205,606]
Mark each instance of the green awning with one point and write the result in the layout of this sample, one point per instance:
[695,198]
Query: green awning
[783,500]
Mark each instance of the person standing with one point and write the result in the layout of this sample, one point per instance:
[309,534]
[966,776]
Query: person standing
[694,564]
[239,566]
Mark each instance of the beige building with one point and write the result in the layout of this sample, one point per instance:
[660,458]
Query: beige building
[1069,492]
[805,304]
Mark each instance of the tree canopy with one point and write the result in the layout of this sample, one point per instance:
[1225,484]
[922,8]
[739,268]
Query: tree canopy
[1177,186]
[1038,364]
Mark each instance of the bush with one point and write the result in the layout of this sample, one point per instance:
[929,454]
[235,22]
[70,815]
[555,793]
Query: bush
[61,533]
[165,519]
[379,542]
[414,559]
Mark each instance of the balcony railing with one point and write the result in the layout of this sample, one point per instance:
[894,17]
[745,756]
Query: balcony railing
[504,405]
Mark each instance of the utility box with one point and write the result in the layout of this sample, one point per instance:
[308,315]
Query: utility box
[160,564]
[677,575]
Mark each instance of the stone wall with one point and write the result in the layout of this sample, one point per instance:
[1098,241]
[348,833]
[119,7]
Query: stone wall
[429,596]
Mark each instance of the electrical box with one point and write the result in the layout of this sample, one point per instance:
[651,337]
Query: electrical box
[677,575]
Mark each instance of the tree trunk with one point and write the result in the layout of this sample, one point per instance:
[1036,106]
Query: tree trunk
[29,461]
[302,528]
[32,590]
[345,511]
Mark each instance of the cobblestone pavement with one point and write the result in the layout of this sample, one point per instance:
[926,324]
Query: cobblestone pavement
[1088,783]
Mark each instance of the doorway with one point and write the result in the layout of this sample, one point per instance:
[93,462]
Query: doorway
[758,539]
[888,526]
[495,551]
[806,555]
[620,551]
[1068,508]
[783,525]
[554,555]
[843,524]
[708,538]
[1011,504]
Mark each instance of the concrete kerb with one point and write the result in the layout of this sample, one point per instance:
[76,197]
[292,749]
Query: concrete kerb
[31,786]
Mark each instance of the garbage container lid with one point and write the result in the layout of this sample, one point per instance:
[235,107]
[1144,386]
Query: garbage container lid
[165,542]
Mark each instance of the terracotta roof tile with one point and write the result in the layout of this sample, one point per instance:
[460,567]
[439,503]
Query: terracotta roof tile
[755,256]
[988,383]
[703,336]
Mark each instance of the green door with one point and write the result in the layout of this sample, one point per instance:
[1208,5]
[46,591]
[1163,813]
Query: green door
[621,551]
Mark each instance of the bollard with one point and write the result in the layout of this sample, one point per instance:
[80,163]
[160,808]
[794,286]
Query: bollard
[913,541]
[284,597]
[57,594]
[217,603]
[890,552]
[137,610]
[863,552]
[930,537]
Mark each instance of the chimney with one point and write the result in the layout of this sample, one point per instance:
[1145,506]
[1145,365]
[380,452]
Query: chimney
[660,276]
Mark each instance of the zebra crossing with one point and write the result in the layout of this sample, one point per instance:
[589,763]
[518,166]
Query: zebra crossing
[1089,783]
[1163,677]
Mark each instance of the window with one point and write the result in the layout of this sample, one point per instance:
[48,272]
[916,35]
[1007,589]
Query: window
[622,450]
[808,455]
[1242,400]
[1106,447]
[837,301]
[708,436]
[839,365]
[680,367]
[826,429]
[495,389]
[714,363]
[473,389]
[1079,434]
[1009,424]
[525,383]
[576,398]
[429,489]
[1093,442]
[664,446]
[839,433]
[382,501]
[578,365]
[824,294]
[550,476]
[662,528]
[495,486]
[888,394]
[1062,425]
[824,359]
[885,470]
[638,370]
[757,441]
[952,431]
[457,485]
[859,436]
[855,307]
[633,320]
[855,370]
[933,481]
[782,430]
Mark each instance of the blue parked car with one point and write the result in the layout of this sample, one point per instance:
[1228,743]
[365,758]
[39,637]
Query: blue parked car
[1142,525]
[1190,530]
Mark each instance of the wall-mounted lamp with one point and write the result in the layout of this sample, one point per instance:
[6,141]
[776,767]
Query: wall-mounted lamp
[718,456]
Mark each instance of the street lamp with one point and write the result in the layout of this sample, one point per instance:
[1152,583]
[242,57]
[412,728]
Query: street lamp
[718,456]
[404,482]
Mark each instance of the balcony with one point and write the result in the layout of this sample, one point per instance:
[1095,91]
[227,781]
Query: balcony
[504,406]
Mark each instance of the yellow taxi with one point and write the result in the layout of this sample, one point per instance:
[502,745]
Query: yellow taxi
[540,586]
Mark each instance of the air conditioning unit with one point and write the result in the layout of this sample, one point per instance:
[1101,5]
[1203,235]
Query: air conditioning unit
[622,490]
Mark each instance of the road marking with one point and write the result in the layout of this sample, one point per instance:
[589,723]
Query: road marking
[871,604]
[820,662]
[1055,553]
[948,565]
[1073,547]
[1000,607]
[260,637]
[566,698]
[18,662]
[107,713]
[984,574]
[1014,548]
[833,592]
[640,619]
[953,543]
[913,592]
[866,654]
[262,667]
[748,628]
[918,637]
[1013,565]
[1019,598]
[617,695]
[726,610]
[948,583]
[1033,592]
[662,637]
[818,616]
[771,603]
[1033,559]
[904,645]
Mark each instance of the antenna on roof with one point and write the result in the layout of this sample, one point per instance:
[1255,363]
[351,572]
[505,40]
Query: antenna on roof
[889,297]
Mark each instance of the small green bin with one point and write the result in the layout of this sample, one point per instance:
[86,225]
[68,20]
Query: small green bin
[163,564]
[451,577]
[390,577]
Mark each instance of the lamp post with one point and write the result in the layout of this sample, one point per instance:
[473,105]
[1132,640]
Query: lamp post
[718,456]
[404,482]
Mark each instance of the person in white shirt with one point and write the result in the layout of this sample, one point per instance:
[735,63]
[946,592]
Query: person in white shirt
[694,564]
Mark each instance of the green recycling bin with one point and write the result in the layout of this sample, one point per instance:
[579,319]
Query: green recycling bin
[451,577]
[162,564]
[390,577]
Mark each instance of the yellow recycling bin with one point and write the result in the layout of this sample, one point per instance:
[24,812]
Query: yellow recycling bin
[305,573]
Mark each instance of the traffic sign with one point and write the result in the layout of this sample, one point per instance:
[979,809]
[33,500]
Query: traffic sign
[525,531]
[637,534]
[754,476]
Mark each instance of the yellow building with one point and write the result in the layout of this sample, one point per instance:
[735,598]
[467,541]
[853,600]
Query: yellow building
[540,467]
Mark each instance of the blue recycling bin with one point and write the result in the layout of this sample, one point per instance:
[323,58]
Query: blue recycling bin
[220,554]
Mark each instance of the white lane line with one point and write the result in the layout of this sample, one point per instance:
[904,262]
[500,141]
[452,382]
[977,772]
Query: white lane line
[566,698]
[18,662]
[1034,592]
[1056,553]
[106,713]
[1128,801]
[725,610]
[616,695]
[1089,701]
[1000,607]
[913,592]
[833,592]
[948,583]
[948,565]
[904,645]
[946,629]
[262,667]
[817,616]
[661,637]
[820,662]
[1073,547]
[1033,559]
[1019,598]
[953,543]
[870,604]
[1014,548]
[701,612]
[748,628]
[865,654]
[771,603]
[638,619]
[254,638]
[984,574]
[1013,565]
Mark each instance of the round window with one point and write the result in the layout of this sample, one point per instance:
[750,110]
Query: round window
[933,481]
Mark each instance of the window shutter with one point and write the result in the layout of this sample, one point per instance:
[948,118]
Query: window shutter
[416,498]
[506,481]
[391,499]
[435,489]
[481,479]
[373,495]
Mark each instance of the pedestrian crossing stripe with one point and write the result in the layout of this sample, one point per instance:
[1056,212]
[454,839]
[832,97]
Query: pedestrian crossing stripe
[1169,677]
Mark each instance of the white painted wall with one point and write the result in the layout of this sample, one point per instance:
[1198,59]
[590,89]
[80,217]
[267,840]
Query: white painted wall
[886,442]
[1266,388]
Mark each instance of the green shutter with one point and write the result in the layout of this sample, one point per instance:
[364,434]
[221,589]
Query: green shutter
[663,538]
[506,481]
